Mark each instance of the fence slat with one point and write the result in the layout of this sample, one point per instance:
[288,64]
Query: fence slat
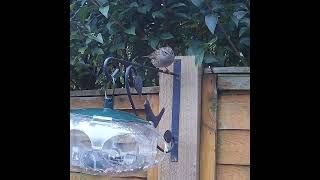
[117,91]
[234,111]
[208,137]
[187,167]
[80,176]
[233,147]
[154,103]
[233,172]
[233,82]
[121,102]
[227,70]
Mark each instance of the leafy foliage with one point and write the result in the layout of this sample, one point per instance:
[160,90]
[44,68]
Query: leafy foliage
[217,32]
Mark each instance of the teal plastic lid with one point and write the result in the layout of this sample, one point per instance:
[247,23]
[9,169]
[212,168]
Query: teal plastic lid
[110,113]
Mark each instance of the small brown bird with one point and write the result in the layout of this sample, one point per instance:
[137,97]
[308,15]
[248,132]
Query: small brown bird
[162,57]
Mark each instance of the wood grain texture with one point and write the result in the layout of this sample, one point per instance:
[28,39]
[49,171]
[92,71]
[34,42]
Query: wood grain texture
[187,167]
[233,172]
[234,81]
[234,111]
[154,103]
[208,137]
[86,102]
[233,147]
[227,70]
[121,102]
[118,91]
[80,176]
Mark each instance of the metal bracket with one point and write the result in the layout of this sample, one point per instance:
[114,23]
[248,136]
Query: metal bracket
[176,110]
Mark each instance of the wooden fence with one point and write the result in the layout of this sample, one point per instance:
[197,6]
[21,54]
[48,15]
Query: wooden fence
[223,151]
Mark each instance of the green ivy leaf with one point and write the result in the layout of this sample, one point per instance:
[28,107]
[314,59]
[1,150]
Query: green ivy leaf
[131,30]
[144,9]
[235,20]
[153,42]
[74,35]
[210,59]
[177,5]
[166,35]
[110,28]
[217,7]
[83,49]
[211,22]
[246,21]
[116,47]
[83,13]
[196,49]
[197,2]
[183,15]
[104,11]
[242,30]
[102,2]
[88,41]
[72,7]
[239,14]
[97,51]
[99,38]
[245,41]
[158,14]
[134,4]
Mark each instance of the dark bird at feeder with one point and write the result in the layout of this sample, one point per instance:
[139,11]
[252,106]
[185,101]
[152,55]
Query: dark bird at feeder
[162,57]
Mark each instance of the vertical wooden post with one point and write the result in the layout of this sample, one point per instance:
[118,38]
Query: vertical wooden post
[208,127]
[152,173]
[187,167]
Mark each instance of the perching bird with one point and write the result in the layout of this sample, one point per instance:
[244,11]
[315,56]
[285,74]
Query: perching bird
[162,57]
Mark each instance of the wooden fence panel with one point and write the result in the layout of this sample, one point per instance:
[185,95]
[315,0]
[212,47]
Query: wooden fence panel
[187,167]
[208,131]
[225,150]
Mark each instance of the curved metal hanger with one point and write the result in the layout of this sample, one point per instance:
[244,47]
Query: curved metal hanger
[137,82]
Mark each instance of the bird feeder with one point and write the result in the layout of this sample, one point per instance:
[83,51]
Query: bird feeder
[110,142]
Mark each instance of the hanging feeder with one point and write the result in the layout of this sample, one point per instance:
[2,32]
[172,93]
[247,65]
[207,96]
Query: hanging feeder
[109,142]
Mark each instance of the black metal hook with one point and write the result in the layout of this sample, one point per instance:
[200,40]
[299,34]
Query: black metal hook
[126,82]
[137,81]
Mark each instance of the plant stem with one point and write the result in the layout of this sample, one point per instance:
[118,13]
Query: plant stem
[229,40]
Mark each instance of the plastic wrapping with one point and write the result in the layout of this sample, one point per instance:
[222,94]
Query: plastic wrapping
[107,145]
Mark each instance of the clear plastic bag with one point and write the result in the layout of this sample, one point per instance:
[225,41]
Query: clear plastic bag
[100,145]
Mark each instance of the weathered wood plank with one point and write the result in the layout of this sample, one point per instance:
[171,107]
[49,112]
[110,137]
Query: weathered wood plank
[208,137]
[121,102]
[234,111]
[86,102]
[154,103]
[227,70]
[233,147]
[118,91]
[80,176]
[233,172]
[234,82]
[187,167]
